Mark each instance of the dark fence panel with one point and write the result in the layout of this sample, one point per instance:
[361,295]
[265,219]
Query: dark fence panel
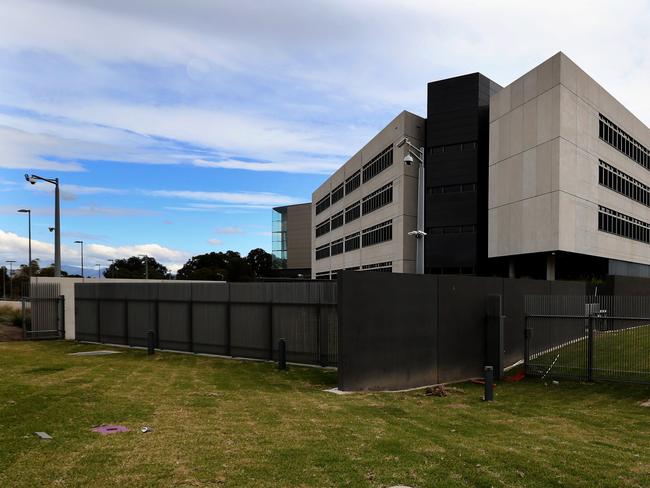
[47,309]
[237,319]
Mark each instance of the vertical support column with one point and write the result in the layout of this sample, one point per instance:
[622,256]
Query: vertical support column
[550,267]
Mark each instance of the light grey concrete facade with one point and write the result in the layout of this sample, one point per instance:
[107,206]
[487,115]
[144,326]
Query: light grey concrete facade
[546,148]
[396,254]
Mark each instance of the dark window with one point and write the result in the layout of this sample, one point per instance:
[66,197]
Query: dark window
[623,225]
[337,247]
[353,182]
[352,242]
[377,233]
[378,164]
[377,199]
[322,204]
[452,229]
[457,188]
[323,251]
[613,135]
[322,228]
[337,220]
[337,193]
[620,182]
[352,212]
[386,267]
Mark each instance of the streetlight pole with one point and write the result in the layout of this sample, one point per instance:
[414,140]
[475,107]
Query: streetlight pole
[29,220]
[4,291]
[112,261]
[146,265]
[82,257]
[57,219]
[417,153]
[99,268]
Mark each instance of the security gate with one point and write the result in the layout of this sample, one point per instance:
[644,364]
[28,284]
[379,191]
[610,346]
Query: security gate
[593,338]
[44,312]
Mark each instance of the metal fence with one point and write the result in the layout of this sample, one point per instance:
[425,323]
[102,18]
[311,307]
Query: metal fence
[593,338]
[43,312]
[233,319]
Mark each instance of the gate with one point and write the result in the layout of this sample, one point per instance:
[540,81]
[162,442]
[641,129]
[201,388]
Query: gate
[43,312]
[593,338]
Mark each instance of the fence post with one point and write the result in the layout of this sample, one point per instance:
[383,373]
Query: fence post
[282,354]
[488,375]
[590,348]
[150,343]
[62,316]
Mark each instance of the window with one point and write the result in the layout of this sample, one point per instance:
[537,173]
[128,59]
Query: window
[452,229]
[322,204]
[354,268]
[335,273]
[352,242]
[323,251]
[337,247]
[353,182]
[465,146]
[460,188]
[337,193]
[615,179]
[353,212]
[322,228]
[377,233]
[623,225]
[386,267]
[323,275]
[377,199]
[378,164]
[623,142]
[337,220]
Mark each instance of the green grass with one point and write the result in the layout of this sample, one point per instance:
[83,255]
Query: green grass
[622,354]
[244,424]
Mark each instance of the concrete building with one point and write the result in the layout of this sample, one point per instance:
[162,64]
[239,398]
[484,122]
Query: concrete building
[362,214]
[569,180]
[291,240]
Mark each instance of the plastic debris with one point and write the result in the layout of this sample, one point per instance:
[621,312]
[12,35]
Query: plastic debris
[146,429]
[555,382]
[43,435]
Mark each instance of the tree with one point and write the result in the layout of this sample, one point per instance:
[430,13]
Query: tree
[216,266]
[261,262]
[134,268]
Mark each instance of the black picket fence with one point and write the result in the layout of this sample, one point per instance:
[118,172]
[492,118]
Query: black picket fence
[231,319]
[593,338]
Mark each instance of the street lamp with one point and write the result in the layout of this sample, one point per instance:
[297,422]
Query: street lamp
[413,154]
[57,218]
[146,265]
[99,268]
[82,257]
[29,220]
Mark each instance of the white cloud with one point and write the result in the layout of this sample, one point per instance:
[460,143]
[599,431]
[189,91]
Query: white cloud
[229,230]
[215,242]
[242,198]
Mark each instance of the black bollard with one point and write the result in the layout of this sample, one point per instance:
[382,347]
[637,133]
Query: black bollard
[282,354]
[150,343]
[488,375]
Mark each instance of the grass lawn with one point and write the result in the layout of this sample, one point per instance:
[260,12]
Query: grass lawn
[622,354]
[243,424]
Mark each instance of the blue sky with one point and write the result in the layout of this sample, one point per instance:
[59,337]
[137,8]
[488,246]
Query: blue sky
[175,126]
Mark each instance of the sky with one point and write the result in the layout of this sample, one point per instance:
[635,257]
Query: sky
[175,127]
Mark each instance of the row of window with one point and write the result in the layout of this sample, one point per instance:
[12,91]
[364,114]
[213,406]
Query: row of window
[452,229]
[386,267]
[625,143]
[459,188]
[375,200]
[623,225]
[369,170]
[465,146]
[616,180]
[367,237]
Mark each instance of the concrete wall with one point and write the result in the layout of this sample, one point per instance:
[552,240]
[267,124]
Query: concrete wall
[403,210]
[543,166]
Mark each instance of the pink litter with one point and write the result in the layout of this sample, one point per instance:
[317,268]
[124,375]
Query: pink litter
[110,429]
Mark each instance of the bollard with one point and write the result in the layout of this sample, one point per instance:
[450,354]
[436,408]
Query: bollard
[488,375]
[150,342]
[282,354]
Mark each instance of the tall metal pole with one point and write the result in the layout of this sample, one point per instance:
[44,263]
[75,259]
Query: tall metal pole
[29,225]
[4,291]
[82,257]
[57,230]
[419,259]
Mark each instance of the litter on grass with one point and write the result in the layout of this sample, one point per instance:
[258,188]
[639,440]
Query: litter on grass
[43,435]
[146,429]
[110,429]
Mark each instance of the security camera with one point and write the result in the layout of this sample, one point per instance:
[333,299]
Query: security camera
[51,229]
[408,159]
[30,179]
